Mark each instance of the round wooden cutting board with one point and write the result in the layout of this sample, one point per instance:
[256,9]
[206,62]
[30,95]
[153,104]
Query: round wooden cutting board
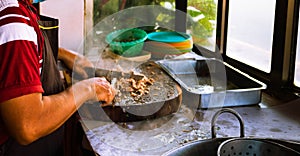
[164,98]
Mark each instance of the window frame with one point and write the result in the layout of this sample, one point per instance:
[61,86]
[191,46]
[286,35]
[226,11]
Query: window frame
[281,77]
[295,26]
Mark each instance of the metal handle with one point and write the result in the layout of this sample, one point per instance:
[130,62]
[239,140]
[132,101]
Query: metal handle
[227,110]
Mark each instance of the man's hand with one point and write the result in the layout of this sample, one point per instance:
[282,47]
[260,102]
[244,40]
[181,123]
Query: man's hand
[103,90]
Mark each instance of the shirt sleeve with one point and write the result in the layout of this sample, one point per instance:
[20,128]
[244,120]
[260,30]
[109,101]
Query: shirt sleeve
[20,63]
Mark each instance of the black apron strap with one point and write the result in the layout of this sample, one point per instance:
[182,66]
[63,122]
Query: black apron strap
[50,76]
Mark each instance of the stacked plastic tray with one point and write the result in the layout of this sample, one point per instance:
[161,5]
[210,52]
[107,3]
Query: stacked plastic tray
[168,43]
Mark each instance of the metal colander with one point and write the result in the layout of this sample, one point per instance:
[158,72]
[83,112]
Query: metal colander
[254,147]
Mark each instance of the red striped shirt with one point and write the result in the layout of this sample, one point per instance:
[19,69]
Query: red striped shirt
[20,53]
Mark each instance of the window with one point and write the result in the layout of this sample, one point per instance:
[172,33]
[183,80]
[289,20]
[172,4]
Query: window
[260,40]
[250,32]
[104,8]
[110,15]
[297,71]
[297,64]
[203,19]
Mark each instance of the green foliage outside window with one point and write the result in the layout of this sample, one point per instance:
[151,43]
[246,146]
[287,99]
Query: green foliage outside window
[202,13]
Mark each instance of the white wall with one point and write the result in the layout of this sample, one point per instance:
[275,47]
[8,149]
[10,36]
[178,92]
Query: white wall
[71,20]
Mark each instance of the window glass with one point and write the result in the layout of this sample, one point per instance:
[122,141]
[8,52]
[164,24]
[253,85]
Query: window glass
[250,32]
[130,13]
[104,8]
[202,22]
[297,64]
[111,15]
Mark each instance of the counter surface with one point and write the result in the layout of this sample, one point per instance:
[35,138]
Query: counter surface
[154,137]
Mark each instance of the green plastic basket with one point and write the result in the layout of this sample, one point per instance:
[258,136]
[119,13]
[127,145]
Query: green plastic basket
[127,42]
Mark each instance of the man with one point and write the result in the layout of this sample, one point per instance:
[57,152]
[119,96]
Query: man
[31,115]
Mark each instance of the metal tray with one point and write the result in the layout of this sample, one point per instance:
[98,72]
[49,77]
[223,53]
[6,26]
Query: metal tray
[217,83]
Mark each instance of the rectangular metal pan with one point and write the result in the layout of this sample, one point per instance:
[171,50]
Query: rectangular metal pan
[217,83]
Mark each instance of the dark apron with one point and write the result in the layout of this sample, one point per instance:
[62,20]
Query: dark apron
[52,84]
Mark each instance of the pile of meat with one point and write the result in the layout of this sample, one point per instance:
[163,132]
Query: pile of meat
[145,85]
[137,85]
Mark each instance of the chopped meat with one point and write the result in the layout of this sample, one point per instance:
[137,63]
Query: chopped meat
[146,84]
[140,87]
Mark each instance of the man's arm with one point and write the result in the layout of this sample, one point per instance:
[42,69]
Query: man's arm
[33,116]
[74,61]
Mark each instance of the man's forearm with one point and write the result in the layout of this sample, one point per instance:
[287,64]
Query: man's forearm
[68,57]
[32,116]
